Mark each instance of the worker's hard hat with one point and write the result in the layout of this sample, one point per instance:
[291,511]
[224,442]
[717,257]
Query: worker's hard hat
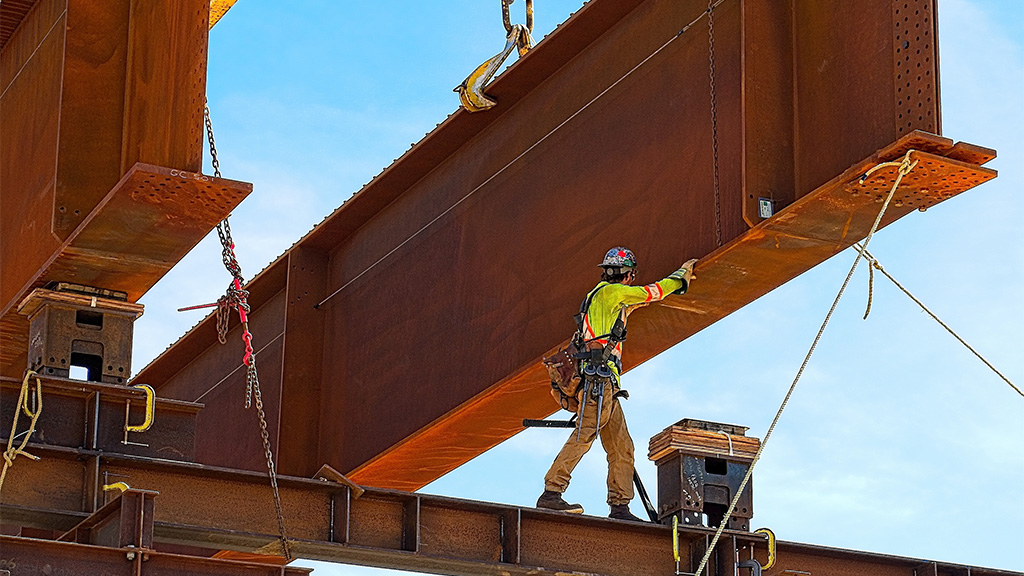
[618,257]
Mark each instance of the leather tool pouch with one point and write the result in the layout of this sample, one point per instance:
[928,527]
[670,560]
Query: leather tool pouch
[563,369]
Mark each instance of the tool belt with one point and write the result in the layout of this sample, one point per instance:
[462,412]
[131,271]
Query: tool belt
[569,366]
[563,369]
[566,367]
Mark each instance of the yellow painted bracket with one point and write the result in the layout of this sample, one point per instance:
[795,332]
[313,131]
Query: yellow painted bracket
[150,410]
[116,486]
[675,540]
[771,546]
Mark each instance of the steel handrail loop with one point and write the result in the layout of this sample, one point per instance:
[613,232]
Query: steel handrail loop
[772,547]
[150,410]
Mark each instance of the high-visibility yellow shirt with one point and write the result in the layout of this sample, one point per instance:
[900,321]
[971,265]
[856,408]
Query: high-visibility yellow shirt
[614,299]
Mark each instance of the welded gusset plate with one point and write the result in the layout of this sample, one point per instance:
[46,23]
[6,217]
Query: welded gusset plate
[31,556]
[931,181]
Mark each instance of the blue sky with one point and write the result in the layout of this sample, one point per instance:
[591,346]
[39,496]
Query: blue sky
[897,439]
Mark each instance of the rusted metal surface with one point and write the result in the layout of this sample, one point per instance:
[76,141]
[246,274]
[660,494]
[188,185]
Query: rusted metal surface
[218,8]
[203,507]
[12,12]
[91,415]
[74,329]
[700,468]
[140,229]
[31,69]
[303,352]
[127,520]
[797,558]
[473,246]
[80,98]
[218,508]
[94,96]
[32,556]
[163,119]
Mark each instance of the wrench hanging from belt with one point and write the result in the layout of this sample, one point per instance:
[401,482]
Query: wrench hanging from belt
[471,91]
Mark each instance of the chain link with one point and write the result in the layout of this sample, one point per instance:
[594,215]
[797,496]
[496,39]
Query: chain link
[237,298]
[714,120]
[253,384]
[234,297]
[209,136]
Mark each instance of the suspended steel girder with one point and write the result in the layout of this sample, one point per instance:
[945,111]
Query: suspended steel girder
[403,335]
[422,349]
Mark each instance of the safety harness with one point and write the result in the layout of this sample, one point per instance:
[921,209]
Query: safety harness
[582,364]
[616,335]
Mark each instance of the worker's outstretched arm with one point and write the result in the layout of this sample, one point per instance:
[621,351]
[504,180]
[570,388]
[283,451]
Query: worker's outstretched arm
[676,283]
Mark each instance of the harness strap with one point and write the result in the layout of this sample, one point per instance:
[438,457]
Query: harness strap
[585,308]
[618,330]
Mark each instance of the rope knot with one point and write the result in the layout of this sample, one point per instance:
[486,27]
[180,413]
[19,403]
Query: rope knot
[906,166]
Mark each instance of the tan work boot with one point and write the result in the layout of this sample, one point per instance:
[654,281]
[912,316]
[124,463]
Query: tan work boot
[552,500]
[621,512]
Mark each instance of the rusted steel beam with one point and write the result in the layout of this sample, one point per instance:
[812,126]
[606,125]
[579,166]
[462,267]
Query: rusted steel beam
[125,521]
[147,222]
[81,196]
[445,279]
[11,15]
[93,415]
[798,558]
[34,556]
[204,507]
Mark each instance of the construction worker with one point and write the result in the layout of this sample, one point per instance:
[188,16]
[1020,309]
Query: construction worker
[603,329]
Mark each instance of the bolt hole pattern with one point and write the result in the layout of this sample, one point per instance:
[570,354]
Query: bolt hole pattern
[197,190]
[928,184]
[912,23]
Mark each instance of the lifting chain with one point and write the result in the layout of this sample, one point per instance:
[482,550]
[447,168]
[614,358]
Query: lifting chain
[209,135]
[714,119]
[507,21]
[237,298]
[11,452]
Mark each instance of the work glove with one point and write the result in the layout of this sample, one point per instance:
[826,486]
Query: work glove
[685,275]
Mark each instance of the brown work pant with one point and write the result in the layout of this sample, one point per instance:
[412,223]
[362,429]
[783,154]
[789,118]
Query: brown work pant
[616,442]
